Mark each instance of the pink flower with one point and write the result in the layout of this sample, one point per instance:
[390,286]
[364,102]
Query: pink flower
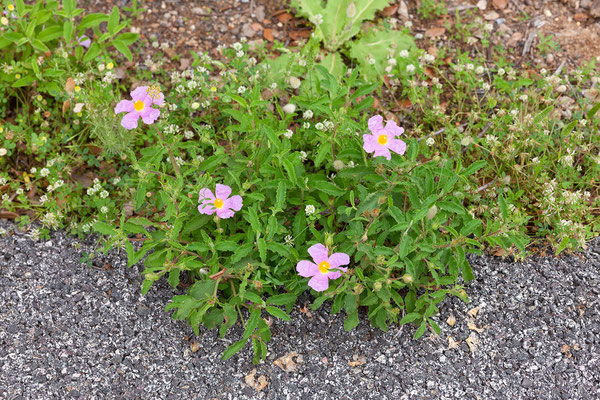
[219,202]
[84,41]
[324,267]
[383,139]
[143,97]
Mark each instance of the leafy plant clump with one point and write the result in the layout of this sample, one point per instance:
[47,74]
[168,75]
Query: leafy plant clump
[247,181]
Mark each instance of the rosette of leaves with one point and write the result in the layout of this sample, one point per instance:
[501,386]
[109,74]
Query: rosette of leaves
[339,22]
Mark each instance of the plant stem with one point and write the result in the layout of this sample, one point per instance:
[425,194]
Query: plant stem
[168,149]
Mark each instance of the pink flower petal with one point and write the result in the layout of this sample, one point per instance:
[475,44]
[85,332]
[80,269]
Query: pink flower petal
[207,207]
[225,213]
[222,191]
[149,115]
[382,151]
[319,282]
[206,193]
[369,143]
[124,106]
[130,120]
[392,129]
[140,93]
[147,102]
[335,274]
[397,146]
[375,124]
[337,259]
[318,252]
[234,202]
[307,269]
[160,100]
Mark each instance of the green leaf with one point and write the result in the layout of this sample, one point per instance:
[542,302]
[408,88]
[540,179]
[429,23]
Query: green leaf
[24,81]
[51,33]
[334,64]
[202,289]
[323,152]
[376,45]
[39,46]
[470,227]
[262,249]
[128,38]
[326,187]
[436,328]
[503,208]
[410,317]
[104,228]
[278,313]
[234,348]
[251,323]
[281,194]
[593,111]
[253,297]
[252,217]
[174,277]
[123,49]
[92,20]
[569,128]
[421,330]
[451,206]
[113,20]
[282,299]
[93,52]
[476,166]
[351,321]
[68,31]
[542,115]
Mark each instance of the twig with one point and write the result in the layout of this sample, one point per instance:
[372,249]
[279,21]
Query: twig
[487,185]
[560,67]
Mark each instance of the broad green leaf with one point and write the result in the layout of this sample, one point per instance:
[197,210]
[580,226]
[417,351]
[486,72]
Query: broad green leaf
[113,20]
[234,348]
[351,321]
[542,115]
[92,20]
[278,313]
[410,317]
[251,323]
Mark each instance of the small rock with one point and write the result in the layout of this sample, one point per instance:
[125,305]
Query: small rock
[248,31]
[595,9]
[259,13]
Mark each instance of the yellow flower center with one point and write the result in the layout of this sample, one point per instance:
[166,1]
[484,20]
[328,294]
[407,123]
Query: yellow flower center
[11,7]
[139,105]
[382,139]
[324,267]
[218,203]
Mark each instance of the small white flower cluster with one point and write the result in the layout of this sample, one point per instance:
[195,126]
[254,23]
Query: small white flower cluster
[289,240]
[96,188]
[51,219]
[325,126]
[317,19]
[172,129]
[430,141]
[44,172]
[188,135]
[241,90]
[310,209]
[55,185]
[567,159]
[308,114]
[492,140]
[179,161]
[303,156]
[427,58]
[288,134]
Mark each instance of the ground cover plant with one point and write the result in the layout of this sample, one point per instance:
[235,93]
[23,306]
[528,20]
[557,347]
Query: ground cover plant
[247,180]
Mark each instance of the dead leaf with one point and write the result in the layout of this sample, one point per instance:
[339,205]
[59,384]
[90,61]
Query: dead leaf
[258,384]
[300,34]
[474,327]
[473,312]
[268,34]
[390,10]
[8,214]
[435,32]
[357,360]
[194,347]
[580,17]
[256,26]
[284,17]
[306,310]
[70,85]
[403,10]
[65,107]
[452,344]
[565,350]
[500,4]
[514,39]
[491,15]
[184,63]
[472,342]
[287,363]
[482,5]
[451,320]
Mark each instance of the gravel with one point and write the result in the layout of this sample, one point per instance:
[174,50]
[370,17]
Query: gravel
[73,331]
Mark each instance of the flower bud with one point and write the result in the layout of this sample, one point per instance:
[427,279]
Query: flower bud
[377,286]
[358,289]
[328,240]
[338,165]
[294,82]
[289,108]
[432,212]
[408,278]
[258,285]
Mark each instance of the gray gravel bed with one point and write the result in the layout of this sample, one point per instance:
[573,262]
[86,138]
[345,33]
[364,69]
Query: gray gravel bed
[69,331]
